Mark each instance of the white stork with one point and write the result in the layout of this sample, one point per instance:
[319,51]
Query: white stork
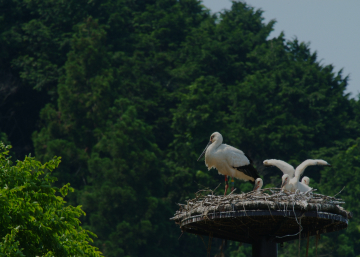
[305,180]
[286,168]
[295,183]
[285,179]
[228,160]
[290,179]
[258,185]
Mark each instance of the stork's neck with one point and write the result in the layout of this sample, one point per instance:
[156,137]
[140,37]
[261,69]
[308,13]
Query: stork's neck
[214,145]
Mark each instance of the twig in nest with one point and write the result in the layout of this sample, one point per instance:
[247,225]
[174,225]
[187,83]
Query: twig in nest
[215,189]
[340,191]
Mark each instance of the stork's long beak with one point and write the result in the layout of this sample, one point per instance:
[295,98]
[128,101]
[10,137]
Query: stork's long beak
[255,187]
[282,184]
[202,154]
[328,165]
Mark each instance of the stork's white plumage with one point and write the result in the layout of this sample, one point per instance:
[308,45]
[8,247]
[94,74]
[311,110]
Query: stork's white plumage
[285,167]
[295,183]
[305,180]
[228,160]
[258,185]
[291,181]
[285,179]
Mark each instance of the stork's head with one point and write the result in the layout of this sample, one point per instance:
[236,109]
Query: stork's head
[215,137]
[258,184]
[285,180]
[305,180]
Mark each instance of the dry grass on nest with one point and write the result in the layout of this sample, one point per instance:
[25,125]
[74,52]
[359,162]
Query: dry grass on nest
[266,199]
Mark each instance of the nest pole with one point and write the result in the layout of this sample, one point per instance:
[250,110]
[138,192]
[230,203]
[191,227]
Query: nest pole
[265,247]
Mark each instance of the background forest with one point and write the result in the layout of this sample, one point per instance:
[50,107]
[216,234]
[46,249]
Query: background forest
[128,92]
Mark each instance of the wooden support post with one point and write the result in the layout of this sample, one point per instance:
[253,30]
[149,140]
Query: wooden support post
[266,247]
[307,244]
[209,246]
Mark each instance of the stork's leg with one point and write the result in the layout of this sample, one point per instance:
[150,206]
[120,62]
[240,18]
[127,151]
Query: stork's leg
[226,184]
[232,184]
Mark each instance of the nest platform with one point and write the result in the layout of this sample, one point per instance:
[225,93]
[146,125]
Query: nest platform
[269,216]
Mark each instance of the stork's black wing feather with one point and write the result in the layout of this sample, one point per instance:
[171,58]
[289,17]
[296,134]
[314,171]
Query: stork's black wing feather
[250,171]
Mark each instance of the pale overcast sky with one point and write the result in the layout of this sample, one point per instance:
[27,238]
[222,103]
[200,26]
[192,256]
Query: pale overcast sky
[332,27]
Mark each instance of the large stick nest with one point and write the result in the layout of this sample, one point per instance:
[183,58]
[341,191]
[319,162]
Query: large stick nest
[207,202]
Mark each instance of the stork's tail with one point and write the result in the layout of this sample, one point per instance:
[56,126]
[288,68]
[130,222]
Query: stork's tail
[250,171]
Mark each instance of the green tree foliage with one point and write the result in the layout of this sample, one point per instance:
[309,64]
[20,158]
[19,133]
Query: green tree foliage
[96,125]
[34,218]
[84,98]
[343,175]
[125,181]
[134,90]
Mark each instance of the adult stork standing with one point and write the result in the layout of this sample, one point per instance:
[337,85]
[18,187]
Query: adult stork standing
[228,160]
[291,177]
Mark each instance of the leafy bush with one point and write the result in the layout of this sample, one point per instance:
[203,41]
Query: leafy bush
[34,220]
